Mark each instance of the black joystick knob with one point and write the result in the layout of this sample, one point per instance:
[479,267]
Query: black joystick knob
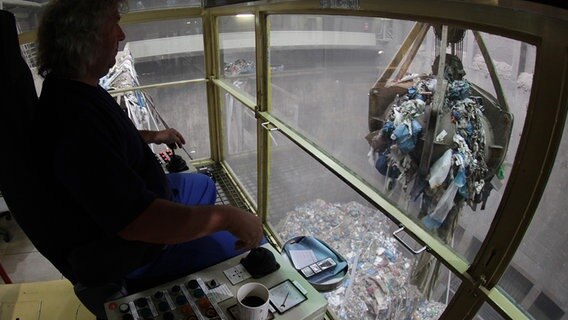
[176,163]
[260,262]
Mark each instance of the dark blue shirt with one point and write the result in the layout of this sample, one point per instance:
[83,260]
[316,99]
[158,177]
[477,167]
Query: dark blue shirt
[98,175]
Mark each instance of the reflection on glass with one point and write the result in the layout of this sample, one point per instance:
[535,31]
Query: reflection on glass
[237,53]
[488,313]
[141,5]
[364,96]
[27,13]
[239,142]
[544,307]
[307,200]
[179,106]
[536,279]
[184,107]
[165,51]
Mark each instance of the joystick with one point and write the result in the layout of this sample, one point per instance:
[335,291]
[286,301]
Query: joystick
[260,262]
[176,163]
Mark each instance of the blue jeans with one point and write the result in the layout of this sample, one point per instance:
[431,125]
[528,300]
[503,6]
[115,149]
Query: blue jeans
[182,259]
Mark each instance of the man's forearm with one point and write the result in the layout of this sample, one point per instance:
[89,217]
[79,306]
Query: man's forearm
[167,222]
[148,136]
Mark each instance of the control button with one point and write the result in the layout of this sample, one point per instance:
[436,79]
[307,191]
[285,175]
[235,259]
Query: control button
[193,284]
[176,289]
[204,303]
[198,293]
[315,268]
[112,306]
[210,313]
[124,307]
[158,295]
[141,302]
[307,272]
[168,316]
[326,264]
[187,310]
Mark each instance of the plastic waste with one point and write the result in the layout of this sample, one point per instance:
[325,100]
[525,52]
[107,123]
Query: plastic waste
[440,169]
[436,218]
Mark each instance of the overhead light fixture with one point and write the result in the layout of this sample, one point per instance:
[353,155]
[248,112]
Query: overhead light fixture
[245,15]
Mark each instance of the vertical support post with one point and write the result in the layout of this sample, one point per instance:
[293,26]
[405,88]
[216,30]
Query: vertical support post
[211,50]
[263,104]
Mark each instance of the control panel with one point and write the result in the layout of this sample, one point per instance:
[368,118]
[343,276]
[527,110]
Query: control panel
[210,294]
[189,299]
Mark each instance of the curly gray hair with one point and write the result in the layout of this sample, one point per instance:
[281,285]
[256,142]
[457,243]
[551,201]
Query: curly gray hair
[69,33]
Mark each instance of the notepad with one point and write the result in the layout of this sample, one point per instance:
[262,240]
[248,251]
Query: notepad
[302,258]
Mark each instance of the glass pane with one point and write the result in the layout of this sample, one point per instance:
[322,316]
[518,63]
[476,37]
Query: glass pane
[27,13]
[307,200]
[237,53]
[337,87]
[179,106]
[165,51]
[140,5]
[183,107]
[536,279]
[239,142]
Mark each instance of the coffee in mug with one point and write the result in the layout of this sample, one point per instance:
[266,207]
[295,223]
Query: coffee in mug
[253,301]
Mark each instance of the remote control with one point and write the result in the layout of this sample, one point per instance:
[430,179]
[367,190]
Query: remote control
[318,267]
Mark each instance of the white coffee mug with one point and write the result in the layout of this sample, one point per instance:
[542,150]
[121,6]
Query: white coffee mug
[253,299]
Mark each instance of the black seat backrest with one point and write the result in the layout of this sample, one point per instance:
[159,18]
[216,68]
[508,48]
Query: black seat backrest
[18,99]
[19,95]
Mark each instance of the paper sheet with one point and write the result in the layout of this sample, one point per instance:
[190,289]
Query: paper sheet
[302,258]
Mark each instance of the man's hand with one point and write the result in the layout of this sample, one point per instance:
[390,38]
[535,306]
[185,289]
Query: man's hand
[247,227]
[169,136]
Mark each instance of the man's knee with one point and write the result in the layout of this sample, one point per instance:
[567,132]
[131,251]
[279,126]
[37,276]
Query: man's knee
[193,188]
